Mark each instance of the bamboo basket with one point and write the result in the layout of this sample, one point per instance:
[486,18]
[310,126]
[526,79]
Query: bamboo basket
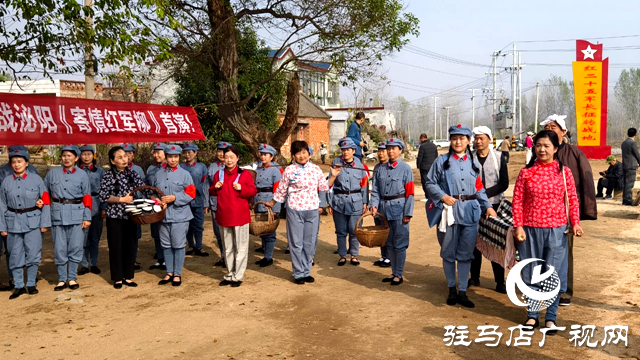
[258,226]
[372,236]
[150,218]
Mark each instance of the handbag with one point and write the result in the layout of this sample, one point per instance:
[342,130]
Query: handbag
[434,212]
[566,203]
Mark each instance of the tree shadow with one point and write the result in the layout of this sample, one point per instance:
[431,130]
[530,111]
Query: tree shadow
[620,214]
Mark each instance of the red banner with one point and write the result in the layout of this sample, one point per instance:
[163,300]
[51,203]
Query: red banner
[48,120]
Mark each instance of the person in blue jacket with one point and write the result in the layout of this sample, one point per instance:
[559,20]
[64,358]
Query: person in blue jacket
[355,134]
[454,180]
[130,150]
[179,191]
[71,203]
[198,173]
[392,196]
[94,232]
[6,170]
[268,175]
[211,201]
[347,199]
[383,158]
[159,156]
[22,221]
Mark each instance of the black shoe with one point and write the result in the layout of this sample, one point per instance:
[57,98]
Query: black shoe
[166,280]
[259,250]
[95,270]
[564,302]
[60,287]
[354,261]
[117,285]
[535,325]
[309,279]
[200,252]
[551,332]
[396,283]
[389,279]
[342,261]
[378,262]
[177,283]
[74,286]
[599,196]
[608,197]
[225,282]
[130,283]
[220,263]
[32,290]
[385,264]
[501,288]
[17,292]
[265,262]
[190,251]
[236,283]
[473,282]
[300,281]
[464,300]
[453,296]
[137,266]
[83,271]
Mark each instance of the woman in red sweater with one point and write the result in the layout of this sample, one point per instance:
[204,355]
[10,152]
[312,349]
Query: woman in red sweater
[234,188]
[540,221]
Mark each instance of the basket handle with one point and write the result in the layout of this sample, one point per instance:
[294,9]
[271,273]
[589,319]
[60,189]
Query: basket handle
[369,213]
[269,211]
[147,187]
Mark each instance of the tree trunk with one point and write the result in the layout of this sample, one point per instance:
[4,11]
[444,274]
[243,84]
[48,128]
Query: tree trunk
[291,115]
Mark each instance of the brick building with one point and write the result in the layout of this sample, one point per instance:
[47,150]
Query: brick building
[74,89]
[312,127]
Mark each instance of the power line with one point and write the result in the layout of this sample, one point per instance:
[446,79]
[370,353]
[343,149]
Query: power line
[424,68]
[594,38]
[433,55]
[613,48]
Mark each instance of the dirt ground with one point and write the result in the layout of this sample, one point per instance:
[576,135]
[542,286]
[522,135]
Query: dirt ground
[347,313]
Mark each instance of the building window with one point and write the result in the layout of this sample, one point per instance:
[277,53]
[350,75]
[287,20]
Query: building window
[313,86]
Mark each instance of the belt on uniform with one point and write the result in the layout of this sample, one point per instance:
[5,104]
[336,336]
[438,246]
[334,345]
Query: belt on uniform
[399,196]
[22,211]
[265,190]
[346,192]
[464,197]
[95,193]
[67,201]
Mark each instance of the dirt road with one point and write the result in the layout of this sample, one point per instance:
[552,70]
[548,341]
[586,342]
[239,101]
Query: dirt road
[347,313]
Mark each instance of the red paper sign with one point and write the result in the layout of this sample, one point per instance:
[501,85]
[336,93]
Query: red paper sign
[47,120]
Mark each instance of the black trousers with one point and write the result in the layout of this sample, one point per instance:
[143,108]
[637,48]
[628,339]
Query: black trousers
[629,181]
[604,183]
[505,156]
[476,264]
[121,236]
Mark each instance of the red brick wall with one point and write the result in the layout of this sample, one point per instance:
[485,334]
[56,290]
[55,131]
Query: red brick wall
[314,133]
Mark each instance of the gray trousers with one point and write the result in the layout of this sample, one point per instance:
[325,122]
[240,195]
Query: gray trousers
[235,243]
[629,181]
[302,234]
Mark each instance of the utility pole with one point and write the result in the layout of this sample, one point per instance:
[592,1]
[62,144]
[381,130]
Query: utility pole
[473,108]
[435,121]
[495,96]
[520,94]
[447,108]
[89,61]
[513,91]
[535,120]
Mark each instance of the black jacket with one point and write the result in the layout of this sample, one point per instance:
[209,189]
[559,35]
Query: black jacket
[630,155]
[427,154]
[615,175]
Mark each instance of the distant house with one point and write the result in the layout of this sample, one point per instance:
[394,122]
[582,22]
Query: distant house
[312,126]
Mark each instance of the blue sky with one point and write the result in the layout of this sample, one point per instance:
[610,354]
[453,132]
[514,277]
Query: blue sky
[472,30]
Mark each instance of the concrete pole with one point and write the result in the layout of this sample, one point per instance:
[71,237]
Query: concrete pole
[520,93]
[513,91]
[535,120]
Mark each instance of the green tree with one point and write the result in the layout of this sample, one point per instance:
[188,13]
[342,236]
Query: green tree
[627,92]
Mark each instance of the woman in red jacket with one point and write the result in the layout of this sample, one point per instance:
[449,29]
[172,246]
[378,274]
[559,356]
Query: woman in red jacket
[234,188]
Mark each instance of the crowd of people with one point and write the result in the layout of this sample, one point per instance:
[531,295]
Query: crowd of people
[552,194]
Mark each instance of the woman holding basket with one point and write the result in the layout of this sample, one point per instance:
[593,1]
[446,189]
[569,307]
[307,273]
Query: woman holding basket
[268,176]
[116,191]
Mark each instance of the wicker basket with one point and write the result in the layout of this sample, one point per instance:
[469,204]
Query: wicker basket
[259,225]
[372,236]
[151,218]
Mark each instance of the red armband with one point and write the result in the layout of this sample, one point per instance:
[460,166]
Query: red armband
[45,198]
[479,185]
[204,177]
[281,171]
[191,191]
[408,189]
[364,181]
[275,186]
[87,201]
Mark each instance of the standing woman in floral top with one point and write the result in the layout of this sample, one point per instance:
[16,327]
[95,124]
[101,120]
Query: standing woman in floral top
[540,215]
[115,190]
[301,181]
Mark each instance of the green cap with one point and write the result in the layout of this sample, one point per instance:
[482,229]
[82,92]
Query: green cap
[610,158]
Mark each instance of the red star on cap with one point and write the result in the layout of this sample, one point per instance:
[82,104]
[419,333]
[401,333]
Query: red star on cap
[391,140]
[264,146]
[173,148]
[224,144]
[459,125]
[381,143]
[16,151]
[125,145]
[158,144]
[187,144]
